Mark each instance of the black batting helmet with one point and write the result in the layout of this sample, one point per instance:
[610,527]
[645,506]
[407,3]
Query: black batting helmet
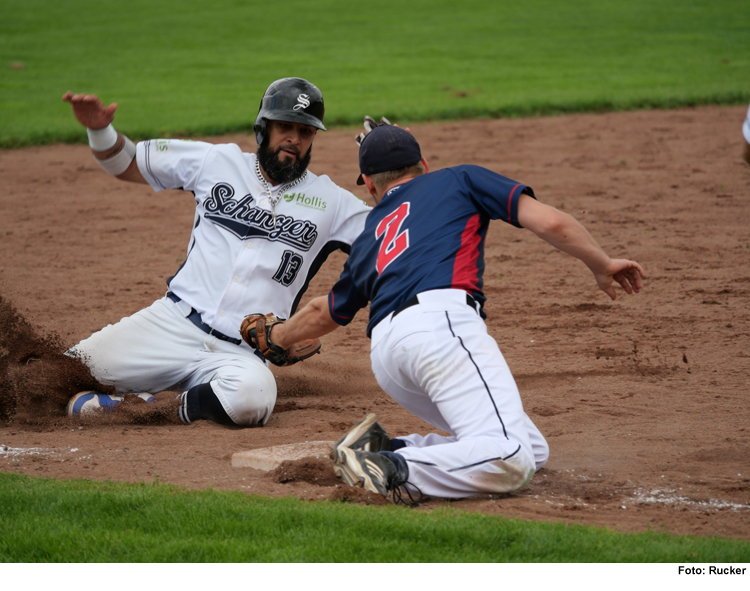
[290,99]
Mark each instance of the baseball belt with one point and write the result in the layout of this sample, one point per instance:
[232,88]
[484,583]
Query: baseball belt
[413,301]
[196,319]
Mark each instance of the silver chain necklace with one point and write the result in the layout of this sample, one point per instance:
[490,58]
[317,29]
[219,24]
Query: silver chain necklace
[274,200]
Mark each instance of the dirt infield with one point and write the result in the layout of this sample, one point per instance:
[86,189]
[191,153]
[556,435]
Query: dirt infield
[644,401]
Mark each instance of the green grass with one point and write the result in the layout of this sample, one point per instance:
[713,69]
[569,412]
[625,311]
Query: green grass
[194,67]
[43,520]
[201,67]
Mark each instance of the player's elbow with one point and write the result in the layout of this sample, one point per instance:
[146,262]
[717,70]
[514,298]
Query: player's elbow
[323,320]
[543,220]
[553,226]
[326,323]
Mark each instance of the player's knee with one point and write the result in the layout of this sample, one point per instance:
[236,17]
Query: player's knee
[254,409]
[526,474]
[541,455]
[511,474]
[249,401]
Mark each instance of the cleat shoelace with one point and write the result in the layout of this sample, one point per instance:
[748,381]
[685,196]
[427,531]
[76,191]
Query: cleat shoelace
[403,496]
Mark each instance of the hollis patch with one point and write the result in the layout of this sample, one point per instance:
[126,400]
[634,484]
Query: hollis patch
[305,201]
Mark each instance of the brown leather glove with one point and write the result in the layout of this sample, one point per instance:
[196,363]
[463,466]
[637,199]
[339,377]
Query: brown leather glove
[256,332]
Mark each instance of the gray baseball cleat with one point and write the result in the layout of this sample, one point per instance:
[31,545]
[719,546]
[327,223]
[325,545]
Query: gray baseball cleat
[365,469]
[367,435]
[89,402]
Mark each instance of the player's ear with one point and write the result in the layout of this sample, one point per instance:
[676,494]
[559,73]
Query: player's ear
[426,166]
[370,185]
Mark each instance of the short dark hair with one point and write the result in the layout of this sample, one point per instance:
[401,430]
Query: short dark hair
[382,179]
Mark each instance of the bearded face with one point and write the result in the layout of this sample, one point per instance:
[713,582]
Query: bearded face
[283,170]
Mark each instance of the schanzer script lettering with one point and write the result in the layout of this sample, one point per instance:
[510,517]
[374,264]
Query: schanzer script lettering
[245,221]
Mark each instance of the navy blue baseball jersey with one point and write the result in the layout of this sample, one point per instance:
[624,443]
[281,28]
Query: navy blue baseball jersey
[426,234]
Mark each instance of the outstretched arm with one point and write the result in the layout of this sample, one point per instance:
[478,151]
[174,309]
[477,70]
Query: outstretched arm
[110,148]
[565,233]
[313,321]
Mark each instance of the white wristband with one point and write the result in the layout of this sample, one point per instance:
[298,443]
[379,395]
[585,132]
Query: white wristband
[102,139]
[119,163]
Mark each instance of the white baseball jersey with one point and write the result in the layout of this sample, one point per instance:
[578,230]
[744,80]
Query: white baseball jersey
[238,260]
[746,127]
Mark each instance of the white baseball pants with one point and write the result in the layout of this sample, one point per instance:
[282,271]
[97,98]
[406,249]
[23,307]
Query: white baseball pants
[437,361]
[159,349]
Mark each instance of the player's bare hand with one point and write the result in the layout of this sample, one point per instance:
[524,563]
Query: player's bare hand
[90,111]
[628,274]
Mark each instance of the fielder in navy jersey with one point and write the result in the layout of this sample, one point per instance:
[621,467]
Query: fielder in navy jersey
[419,261]
[419,247]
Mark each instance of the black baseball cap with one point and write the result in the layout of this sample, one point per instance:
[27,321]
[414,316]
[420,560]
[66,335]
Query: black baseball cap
[385,148]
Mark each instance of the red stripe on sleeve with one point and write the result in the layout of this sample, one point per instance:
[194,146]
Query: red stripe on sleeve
[330,308]
[510,201]
[465,264]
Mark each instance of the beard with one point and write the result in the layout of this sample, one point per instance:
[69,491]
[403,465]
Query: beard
[286,171]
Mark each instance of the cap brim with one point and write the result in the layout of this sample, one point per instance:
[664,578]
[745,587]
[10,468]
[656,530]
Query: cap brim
[303,118]
[360,180]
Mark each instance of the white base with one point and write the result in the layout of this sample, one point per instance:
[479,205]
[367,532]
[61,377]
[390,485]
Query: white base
[268,458]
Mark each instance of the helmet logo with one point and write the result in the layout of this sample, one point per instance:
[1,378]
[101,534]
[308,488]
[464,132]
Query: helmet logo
[303,101]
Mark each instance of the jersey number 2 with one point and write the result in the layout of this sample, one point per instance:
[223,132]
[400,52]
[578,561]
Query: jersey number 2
[395,241]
